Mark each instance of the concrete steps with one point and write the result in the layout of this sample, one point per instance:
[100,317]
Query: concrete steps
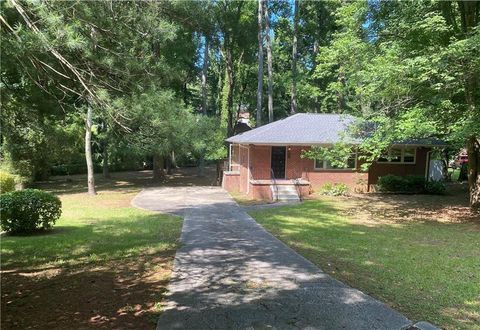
[285,193]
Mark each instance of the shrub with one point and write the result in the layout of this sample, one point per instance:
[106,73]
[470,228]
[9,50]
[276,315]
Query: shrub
[391,183]
[395,183]
[334,189]
[410,184]
[27,210]
[7,182]
[415,183]
[435,188]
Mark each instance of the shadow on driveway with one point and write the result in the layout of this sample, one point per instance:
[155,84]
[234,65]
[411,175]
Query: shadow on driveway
[232,274]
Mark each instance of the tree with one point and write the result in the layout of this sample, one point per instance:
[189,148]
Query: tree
[160,124]
[260,63]
[269,62]
[105,52]
[293,107]
[410,69]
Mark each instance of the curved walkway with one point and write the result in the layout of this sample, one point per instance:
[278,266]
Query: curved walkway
[232,274]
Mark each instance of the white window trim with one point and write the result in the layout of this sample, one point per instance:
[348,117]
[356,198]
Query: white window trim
[324,165]
[402,157]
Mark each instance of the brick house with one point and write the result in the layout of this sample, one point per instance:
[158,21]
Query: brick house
[266,163]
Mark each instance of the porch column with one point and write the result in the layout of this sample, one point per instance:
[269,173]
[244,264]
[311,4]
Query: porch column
[230,157]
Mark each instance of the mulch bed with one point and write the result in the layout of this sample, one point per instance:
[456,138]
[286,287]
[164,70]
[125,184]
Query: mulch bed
[123,294]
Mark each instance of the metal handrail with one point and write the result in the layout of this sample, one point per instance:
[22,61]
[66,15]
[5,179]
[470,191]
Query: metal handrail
[274,184]
[296,183]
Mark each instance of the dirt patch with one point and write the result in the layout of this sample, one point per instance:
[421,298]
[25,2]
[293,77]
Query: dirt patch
[124,294]
[129,182]
[372,208]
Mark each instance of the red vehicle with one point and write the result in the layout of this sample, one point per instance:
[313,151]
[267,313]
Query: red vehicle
[460,160]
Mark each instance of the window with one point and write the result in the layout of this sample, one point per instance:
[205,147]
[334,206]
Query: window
[409,155]
[321,164]
[404,155]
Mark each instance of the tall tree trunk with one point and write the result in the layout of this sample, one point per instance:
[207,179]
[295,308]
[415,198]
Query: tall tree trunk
[293,106]
[158,167]
[260,63]
[316,48]
[172,158]
[168,164]
[201,166]
[106,172]
[88,150]
[469,13]
[473,150]
[231,87]
[204,77]
[269,63]
[201,160]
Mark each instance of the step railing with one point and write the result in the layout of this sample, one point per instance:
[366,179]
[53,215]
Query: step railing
[275,186]
[296,182]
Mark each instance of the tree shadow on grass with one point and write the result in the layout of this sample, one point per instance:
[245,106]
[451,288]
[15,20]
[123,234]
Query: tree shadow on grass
[85,243]
[108,274]
[231,274]
[127,182]
[120,295]
[427,269]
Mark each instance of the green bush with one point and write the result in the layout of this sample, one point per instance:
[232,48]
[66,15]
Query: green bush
[334,189]
[391,183]
[402,184]
[28,210]
[409,184]
[435,188]
[415,183]
[7,182]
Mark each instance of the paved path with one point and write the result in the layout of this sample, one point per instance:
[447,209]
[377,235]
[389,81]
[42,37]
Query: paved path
[232,274]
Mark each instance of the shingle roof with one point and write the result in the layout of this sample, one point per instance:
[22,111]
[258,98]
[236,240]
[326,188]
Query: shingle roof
[431,142]
[301,129]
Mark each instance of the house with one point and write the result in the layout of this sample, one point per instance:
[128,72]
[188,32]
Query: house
[266,163]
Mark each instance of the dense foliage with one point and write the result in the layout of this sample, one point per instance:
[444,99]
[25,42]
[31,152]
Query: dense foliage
[28,210]
[7,182]
[76,76]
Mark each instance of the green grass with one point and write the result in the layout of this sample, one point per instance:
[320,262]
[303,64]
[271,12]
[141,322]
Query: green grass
[428,270]
[455,173]
[93,229]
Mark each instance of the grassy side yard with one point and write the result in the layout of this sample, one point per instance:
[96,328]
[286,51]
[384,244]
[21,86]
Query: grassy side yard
[104,265]
[427,269]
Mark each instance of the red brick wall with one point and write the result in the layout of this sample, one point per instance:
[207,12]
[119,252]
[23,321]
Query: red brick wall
[231,182]
[243,180]
[260,158]
[261,192]
[235,157]
[355,179]
[294,164]
[377,170]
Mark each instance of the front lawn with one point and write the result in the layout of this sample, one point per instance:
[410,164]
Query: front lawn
[105,264]
[427,267]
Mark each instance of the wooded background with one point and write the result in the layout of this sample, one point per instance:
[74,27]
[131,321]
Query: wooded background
[116,83]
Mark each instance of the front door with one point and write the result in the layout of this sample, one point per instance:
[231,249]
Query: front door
[278,162]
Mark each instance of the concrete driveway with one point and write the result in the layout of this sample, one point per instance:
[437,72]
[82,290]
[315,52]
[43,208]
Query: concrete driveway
[232,274]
